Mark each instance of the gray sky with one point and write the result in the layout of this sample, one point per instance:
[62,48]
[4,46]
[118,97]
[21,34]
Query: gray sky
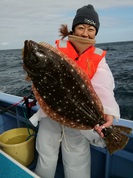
[39,20]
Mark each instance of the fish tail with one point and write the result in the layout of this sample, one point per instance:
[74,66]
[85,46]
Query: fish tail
[124,129]
[116,140]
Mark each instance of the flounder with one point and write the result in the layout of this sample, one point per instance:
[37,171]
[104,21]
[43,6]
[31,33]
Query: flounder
[65,93]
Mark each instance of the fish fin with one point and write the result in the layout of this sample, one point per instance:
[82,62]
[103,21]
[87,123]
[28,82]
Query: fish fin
[116,140]
[22,52]
[124,129]
[27,78]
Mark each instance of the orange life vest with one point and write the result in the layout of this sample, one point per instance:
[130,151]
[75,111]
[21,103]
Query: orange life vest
[88,61]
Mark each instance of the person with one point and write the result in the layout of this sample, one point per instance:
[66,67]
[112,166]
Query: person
[75,144]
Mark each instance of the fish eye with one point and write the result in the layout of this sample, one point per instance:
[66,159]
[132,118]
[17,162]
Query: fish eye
[39,54]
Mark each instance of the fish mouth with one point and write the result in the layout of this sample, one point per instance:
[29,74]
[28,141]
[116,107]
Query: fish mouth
[29,45]
[26,48]
[30,48]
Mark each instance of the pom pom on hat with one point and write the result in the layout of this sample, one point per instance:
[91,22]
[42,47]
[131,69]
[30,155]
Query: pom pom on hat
[86,15]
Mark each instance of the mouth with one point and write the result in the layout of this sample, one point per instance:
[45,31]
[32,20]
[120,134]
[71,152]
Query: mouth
[26,43]
[26,48]
[28,56]
[29,45]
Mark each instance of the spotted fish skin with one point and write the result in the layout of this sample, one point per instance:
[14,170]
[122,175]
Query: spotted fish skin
[59,85]
[64,91]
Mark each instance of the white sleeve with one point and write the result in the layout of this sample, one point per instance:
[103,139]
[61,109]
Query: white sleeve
[103,83]
[37,117]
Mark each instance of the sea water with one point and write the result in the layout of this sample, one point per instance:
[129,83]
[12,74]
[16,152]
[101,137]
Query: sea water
[119,57]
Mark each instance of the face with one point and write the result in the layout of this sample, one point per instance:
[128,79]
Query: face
[84,30]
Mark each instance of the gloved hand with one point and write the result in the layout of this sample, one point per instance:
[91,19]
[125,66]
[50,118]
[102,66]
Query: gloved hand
[94,138]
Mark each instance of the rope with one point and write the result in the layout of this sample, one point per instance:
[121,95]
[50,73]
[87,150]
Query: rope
[27,126]
[25,100]
[64,136]
[13,105]
[26,114]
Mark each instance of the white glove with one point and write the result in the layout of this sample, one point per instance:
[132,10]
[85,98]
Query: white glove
[93,137]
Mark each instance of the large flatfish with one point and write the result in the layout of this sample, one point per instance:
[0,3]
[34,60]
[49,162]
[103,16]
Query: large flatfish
[65,93]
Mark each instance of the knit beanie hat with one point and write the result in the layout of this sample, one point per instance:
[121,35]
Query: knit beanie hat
[86,15]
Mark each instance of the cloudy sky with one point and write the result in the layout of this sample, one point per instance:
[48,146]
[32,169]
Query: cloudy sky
[39,20]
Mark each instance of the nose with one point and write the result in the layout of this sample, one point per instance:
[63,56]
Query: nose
[85,33]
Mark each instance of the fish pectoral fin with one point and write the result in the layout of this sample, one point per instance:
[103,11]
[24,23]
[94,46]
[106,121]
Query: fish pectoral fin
[123,129]
[27,78]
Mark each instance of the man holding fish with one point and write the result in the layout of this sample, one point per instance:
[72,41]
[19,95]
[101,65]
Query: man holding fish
[74,142]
